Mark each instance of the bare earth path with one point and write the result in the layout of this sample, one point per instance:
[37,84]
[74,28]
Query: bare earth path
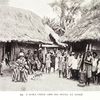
[47,82]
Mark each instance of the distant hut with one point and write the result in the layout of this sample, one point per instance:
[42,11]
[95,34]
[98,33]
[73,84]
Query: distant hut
[20,29]
[86,34]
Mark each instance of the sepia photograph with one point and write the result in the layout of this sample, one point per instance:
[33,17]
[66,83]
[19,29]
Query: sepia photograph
[50,45]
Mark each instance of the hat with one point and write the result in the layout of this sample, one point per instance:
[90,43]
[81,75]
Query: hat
[21,55]
[35,49]
[73,53]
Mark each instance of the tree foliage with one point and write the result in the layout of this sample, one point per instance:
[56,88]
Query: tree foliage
[54,25]
[66,11]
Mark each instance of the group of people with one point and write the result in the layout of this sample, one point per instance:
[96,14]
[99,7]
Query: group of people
[83,67]
[38,61]
[76,66]
[31,62]
[25,65]
[91,68]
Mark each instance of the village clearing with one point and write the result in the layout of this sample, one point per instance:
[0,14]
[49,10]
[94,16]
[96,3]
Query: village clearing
[46,82]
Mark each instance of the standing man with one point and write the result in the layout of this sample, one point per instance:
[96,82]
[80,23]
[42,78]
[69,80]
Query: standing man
[75,68]
[1,69]
[53,55]
[63,65]
[98,72]
[60,65]
[41,59]
[48,62]
[94,66]
[69,74]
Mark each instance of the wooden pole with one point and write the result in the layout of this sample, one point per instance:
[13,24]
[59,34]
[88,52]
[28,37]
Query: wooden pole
[90,47]
[87,46]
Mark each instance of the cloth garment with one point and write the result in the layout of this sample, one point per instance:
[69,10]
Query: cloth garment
[98,67]
[74,63]
[94,64]
[88,66]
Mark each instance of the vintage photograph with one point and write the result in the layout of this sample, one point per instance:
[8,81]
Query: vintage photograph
[49,45]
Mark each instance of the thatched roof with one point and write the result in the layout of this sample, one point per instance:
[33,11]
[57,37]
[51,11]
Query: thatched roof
[88,28]
[21,25]
[52,34]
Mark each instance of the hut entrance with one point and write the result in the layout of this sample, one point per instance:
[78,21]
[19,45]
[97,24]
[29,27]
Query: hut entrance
[8,51]
[79,46]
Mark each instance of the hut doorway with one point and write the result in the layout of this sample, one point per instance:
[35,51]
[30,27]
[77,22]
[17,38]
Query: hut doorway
[79,46]
[8,52]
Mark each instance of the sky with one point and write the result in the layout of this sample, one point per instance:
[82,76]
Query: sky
[40,7]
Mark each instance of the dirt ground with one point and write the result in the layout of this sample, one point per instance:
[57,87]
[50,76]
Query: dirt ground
[46,82]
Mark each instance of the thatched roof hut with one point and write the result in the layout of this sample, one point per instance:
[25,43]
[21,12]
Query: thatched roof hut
[21,25]
[51,35]
[22,29]
[88,28]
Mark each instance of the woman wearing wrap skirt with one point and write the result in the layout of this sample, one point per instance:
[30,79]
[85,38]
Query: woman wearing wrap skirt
[88,68]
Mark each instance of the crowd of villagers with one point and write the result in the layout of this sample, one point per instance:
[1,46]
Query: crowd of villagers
[69,65]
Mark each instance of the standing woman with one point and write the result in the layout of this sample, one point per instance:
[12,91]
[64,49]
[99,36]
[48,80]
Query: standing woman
[56,62]
[28,57]
[48,62]
[80,67]
[88,67]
